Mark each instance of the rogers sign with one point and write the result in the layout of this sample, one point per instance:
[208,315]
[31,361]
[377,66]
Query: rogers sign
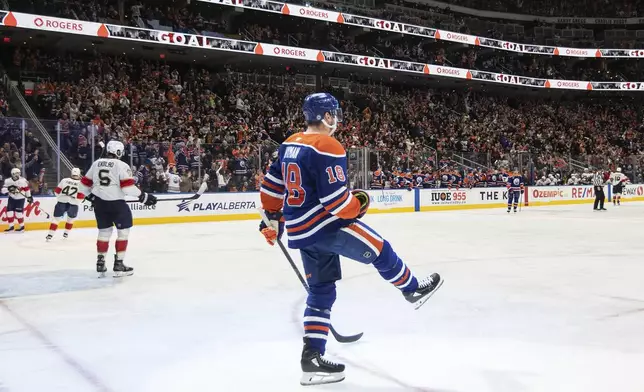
[313,13]
[280,51]
[569,84]
[58,24]
[448,71]
[578,52]
[456,37]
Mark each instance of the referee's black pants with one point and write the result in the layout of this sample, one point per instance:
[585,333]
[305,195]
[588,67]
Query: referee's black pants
[599,197]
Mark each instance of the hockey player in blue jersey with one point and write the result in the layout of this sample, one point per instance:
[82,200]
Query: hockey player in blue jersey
[515,190]
[305,191]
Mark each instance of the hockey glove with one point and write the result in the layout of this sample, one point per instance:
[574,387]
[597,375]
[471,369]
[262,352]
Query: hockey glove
[12,189]
[147,199]
[275,229]
[364,200]
[90,199]
[30,199]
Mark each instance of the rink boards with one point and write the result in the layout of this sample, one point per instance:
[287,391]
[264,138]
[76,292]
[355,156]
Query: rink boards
[239,206]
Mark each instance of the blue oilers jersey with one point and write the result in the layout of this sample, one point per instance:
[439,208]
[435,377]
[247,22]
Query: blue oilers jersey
[455,180]
[308,182]
[428,181]
[378,181]
[444,180]
[515,183]
[493,180]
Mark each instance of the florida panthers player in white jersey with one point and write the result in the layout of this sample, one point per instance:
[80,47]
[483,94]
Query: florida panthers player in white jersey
[18,189]
[68,197]
[106,185]
[618,180]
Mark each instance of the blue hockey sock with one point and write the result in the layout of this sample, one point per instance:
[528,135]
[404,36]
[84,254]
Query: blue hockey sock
[393,270]
[316,327]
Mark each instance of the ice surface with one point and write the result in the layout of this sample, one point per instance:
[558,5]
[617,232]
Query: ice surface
[551,299]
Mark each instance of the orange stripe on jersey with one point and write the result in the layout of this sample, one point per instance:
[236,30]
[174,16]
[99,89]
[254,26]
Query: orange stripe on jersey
[270,203]
[350,211]
[316,328]
[338,202]
[273,187]
[377,243]
[403,279]
[322,143]
[308,224]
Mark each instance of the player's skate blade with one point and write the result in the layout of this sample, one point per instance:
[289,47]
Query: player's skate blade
[120,270]
[49,237]
[20,229]
[426,288]
[319,378]
[9,230]
[317,370]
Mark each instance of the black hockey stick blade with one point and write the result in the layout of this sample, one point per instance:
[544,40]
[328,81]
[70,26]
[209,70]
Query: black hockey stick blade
[346,339]
[336,335]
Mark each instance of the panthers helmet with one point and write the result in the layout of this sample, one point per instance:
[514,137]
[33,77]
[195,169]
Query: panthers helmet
[116,148]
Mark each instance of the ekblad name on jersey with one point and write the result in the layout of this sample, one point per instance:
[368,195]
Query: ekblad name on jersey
[308,181]
[110,179]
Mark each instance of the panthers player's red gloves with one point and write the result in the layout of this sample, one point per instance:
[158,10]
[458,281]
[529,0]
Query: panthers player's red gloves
[364,200]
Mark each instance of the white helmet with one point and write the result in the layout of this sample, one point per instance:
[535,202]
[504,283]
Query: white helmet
[619,169]
[115,147]
[76,174]
[15,173]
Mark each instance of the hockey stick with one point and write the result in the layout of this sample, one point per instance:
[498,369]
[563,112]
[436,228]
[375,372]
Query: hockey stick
[336,335]
[47,215]
[202,189]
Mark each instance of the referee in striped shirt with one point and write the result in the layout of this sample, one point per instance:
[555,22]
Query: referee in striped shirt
[598,183]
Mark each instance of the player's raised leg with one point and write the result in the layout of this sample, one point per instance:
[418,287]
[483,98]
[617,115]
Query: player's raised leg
[361,243]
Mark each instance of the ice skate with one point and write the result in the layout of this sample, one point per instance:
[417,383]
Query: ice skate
[9,230]
[426,288]
[100,266]
[65,235]
[49,237]
[121,269]
[317,370]
[21,229]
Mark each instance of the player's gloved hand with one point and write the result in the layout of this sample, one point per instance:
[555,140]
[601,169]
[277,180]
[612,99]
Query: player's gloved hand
[90,199]
[147,199]
[30,199]
[364,200]
[275,228]
[12,189]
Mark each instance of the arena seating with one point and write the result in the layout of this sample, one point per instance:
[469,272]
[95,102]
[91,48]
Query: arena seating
[212,117]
